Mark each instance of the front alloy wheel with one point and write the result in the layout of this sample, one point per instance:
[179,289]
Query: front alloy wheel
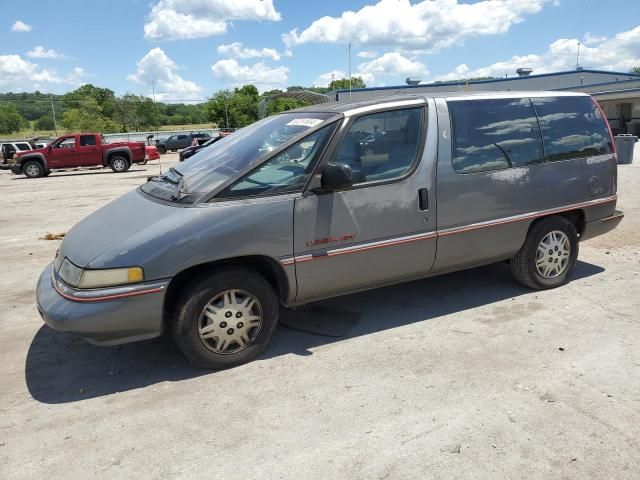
[225,317]
[230,321]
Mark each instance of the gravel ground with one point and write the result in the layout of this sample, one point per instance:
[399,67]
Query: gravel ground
[467,375]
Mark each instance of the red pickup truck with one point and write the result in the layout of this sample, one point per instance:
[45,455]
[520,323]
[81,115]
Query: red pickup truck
[81,150]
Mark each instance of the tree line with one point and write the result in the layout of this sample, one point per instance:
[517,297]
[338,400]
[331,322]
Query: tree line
[97,109]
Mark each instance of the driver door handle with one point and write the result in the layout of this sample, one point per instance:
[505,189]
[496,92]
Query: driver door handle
[423,199]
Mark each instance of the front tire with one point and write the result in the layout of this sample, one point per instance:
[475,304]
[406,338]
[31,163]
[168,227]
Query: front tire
[33,169]
[226,318]
[548,255]
[119,164]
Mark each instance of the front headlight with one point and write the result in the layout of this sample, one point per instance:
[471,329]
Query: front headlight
[81,278]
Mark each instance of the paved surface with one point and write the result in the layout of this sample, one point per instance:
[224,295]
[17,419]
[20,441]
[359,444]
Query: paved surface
[466,375]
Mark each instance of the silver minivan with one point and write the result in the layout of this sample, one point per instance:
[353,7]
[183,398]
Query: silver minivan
[333,199]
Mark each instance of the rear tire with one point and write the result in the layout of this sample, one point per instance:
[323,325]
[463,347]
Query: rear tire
[548,255]
[33,169]
[119,164]
[226,318]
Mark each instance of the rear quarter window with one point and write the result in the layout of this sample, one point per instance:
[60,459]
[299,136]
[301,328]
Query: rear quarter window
[23,146]
[494,134]
[572,127]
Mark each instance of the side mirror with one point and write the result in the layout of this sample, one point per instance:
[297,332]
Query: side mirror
[336,176]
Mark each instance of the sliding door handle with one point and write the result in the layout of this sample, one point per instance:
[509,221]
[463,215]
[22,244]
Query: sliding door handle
[423,199]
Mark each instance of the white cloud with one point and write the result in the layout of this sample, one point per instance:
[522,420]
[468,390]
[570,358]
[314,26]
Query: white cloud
[391,64]
[158,70]
[367,54]
[325,79]
[41,52]
[21,27]
[18,74]
[182,19]
[619,53]
[261,75]
[236,50]
[590,39]
[430,24]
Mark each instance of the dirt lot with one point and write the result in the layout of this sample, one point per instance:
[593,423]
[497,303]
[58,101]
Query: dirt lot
[466,375]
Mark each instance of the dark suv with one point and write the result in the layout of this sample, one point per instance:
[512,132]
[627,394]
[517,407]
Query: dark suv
[176,142]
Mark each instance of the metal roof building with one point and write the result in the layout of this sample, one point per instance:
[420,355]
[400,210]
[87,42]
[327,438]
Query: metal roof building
[617,92]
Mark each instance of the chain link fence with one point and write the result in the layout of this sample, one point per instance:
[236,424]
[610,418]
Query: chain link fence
[157,135]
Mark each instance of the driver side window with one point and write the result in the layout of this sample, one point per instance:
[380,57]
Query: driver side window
[383,145]
[288,171]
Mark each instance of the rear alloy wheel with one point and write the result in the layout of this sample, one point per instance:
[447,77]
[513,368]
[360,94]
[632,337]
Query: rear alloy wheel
[548,255]
[225,318]
[33,169]
[119,164]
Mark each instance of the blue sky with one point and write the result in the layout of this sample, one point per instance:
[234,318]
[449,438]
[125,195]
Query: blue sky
[188,49]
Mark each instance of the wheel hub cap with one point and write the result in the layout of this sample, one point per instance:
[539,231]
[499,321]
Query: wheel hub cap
[552,256]
[230,322]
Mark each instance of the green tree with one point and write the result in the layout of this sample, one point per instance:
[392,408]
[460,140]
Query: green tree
[87,117]
[233,108]
[635,70]
[283,104]
[45,123]
[134,112]
[104,98]
[343,83]
[10,120]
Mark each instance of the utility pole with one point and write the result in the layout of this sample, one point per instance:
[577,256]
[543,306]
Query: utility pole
[153,93]
[578,58]
[349,54]
[53,111]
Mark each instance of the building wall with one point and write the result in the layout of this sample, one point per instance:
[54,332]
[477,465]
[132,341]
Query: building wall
[577,80]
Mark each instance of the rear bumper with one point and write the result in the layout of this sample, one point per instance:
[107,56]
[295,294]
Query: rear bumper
[599,227]
[108,320]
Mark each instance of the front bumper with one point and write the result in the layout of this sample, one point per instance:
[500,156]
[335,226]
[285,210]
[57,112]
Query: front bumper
[106,316]
[599,227]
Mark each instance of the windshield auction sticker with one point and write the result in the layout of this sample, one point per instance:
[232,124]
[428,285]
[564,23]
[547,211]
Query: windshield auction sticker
[305,122]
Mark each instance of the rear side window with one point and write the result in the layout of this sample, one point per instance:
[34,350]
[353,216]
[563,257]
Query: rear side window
[182,137]
[23,146]
[572,127]
[87,140]
[494,134]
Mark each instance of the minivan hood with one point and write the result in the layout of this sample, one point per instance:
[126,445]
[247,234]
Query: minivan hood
[111,225]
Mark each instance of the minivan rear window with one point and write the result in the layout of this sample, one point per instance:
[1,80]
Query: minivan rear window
[494,134]
[572,127]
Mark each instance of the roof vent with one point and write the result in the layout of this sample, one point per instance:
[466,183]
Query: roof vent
[524,72]
[413,80]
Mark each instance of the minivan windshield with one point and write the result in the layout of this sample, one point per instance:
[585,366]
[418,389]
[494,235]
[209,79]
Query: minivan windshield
[231,155]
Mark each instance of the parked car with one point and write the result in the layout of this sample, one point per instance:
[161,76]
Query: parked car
[190,151]
[78,150]
[211,249]
[176,142]
[151,153]
[8,149]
